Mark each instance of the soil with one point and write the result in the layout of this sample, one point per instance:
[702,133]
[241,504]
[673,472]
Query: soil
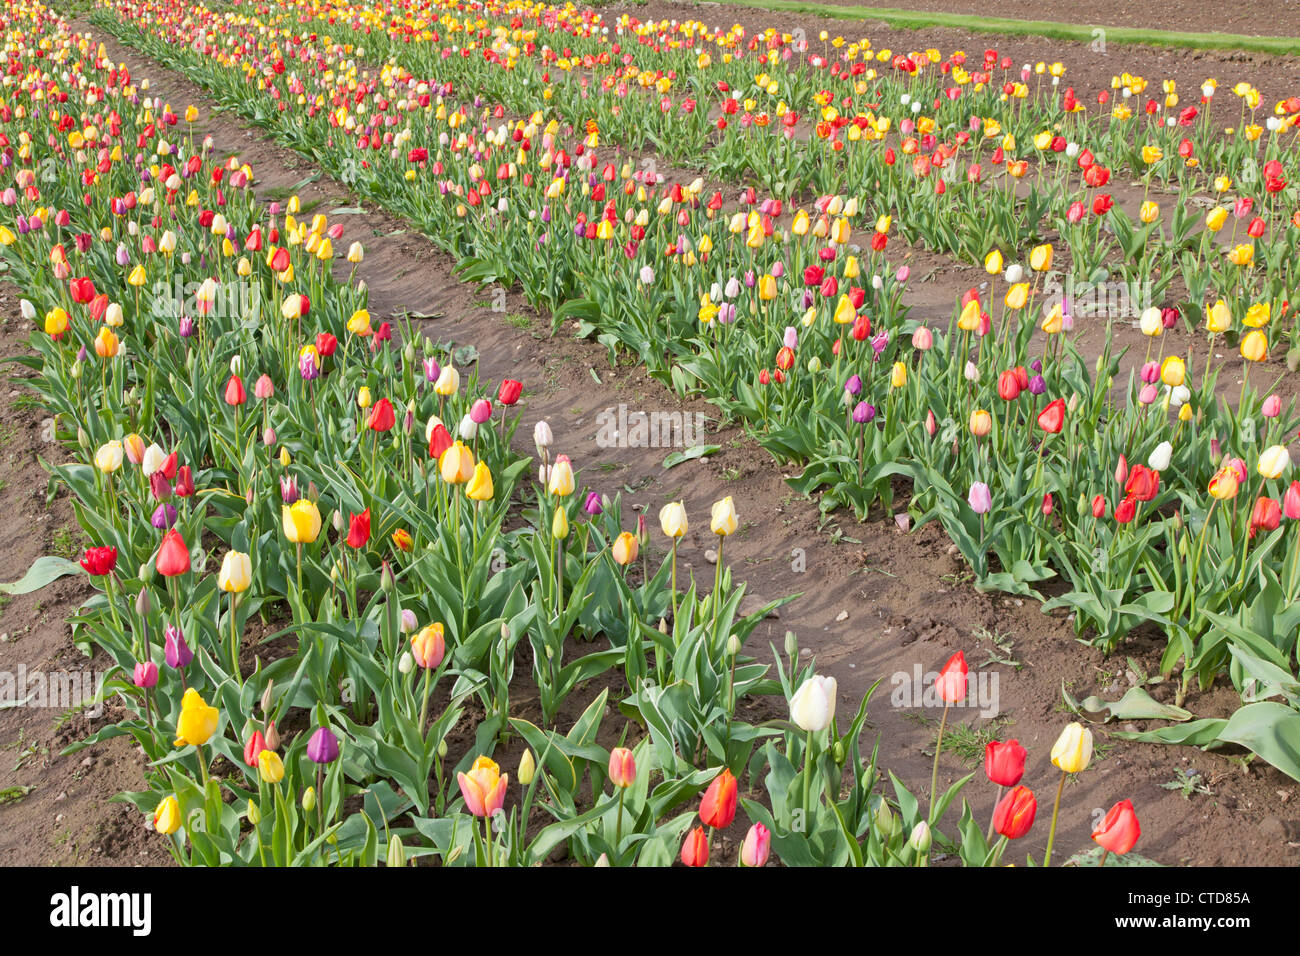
[874,601]
[1186,16]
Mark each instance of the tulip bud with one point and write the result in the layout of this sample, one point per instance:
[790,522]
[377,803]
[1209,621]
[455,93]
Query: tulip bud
[527,768]
[254,814]
[885,822]
[309,799]
[920,838]
[396,854]
[791,645]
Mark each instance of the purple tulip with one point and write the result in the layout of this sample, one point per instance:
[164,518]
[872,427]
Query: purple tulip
[288,489]
[164,516]
[593,506]
[1037,386]
[431,369]
[863,413]
[323,746]
[176,652]
[307,367]
[854,385]
[185,327]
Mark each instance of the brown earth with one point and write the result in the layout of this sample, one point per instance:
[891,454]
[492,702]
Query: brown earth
[875,601]
[1279,18]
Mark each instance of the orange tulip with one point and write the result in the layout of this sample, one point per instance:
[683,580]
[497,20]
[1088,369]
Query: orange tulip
[484,787]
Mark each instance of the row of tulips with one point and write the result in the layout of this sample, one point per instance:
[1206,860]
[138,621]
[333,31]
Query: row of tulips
[314,612]
[1035,463]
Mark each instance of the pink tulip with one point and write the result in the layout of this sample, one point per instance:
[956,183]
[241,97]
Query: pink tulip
[757,846]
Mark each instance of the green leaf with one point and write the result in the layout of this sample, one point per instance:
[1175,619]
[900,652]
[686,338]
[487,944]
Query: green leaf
[1137,704]
[695,451]
[43,571]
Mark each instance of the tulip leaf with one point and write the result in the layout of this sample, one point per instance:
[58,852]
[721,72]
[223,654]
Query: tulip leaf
[43,571]
[1137,704]
[1198,733]
[1269,729]
[695,451]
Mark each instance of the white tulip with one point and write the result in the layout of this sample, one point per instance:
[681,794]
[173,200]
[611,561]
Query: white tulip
[1159,459]
[813,706]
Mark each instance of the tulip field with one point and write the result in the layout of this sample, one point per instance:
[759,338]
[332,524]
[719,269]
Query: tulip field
[359,603]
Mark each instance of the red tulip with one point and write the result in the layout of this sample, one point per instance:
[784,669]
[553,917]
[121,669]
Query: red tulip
[235,394]
[1119,830]
[1266,515]
[326,344]
[1126,509]
[1143,483]
[1008,386]
[1004,763]
[184,482]
[1014,816]
[509,391]
[1047,504]
[439,441]
[1099,506]
[173,555]
[695,849]
[952,679]
[256,744]
[98,561]
[381,417]
[82,290]
[718,806]
[1052,418]
[1121,471]
[359,529]
[1291,501]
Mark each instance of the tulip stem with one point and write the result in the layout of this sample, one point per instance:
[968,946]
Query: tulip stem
[424,706]
[988,838]
[234,643]
[934,774]
[807,776]
[675,540]
[1104,853]
[618,827]
[717,585]
[1056,808]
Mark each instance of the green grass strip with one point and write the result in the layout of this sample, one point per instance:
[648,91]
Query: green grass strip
[1083,33]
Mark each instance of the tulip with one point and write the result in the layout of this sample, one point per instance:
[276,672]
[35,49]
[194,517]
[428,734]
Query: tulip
[1014,814]
[484,787]
[695,848]
[813,705]
[457,464]
[1159,458]
[301,521]
[99,561]
[756,847]
[1291,501]
[323,747]
[108,458]
[359,530]
[167,816]
[1052,418]
[561,482]
[1274,461]
[480,486]
[176,652]
[1004,763]
[173,556]
[145,675]
[236,573]
[979,498]
[718,805]
[509,392]
[270,767]
[723,519]
[1072,753]
[197,722]
[1119,831]
[624,549]
[1254,346]
[253,748]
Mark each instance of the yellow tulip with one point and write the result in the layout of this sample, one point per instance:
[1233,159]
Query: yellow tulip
[1149,211]
[723,519]
[1017,295]
[560,525]
[301,521]
[993,263]
[359,323]
[1173,372]
[1040,257]
[197,722]
[1215,218]
[457,464]
[1257,315]
[1242,255]
[1254,346]
[480,486]
[1072,751]
[672,519]
[625,549]
[1274,461]
[561,482]
[167,816]
[898,377]
[1219,318]
[270,767]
